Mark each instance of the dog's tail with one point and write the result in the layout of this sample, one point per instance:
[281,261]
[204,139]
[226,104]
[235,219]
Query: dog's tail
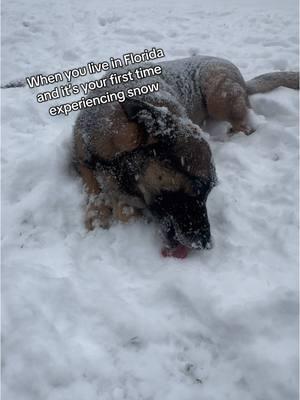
[14,84]
[266,82]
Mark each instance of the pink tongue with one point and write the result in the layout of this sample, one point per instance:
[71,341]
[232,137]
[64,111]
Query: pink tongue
[178,252]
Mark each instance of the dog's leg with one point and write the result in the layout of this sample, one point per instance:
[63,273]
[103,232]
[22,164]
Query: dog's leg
[124,212]
[229,102]
[100,212]
[239,115]
[97,212]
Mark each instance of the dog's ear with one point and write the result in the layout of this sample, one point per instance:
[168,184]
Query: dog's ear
[157,121]
[193,156]
[133,107]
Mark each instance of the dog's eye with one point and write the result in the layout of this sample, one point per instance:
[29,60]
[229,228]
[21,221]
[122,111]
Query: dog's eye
[160,178]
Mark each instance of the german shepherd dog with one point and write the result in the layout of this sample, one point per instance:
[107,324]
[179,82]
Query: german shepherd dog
[149,153]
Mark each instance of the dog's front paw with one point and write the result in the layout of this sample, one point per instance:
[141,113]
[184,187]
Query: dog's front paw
[125,213]
[246,129]
[97,215]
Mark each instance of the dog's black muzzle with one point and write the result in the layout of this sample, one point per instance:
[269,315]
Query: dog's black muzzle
[183,219]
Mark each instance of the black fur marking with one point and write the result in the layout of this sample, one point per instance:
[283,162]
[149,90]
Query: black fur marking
[183,218]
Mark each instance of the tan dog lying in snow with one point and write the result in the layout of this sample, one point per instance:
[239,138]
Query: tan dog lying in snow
[149,154]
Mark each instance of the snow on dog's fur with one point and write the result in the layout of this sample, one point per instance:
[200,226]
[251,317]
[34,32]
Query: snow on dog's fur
[131,149]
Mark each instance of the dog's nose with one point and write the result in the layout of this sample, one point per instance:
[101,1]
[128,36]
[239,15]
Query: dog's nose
[202,241]
[207,243]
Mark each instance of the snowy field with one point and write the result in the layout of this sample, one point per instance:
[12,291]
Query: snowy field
[101,315]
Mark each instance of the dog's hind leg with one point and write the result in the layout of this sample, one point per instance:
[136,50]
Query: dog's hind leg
[228,101]
[239,117]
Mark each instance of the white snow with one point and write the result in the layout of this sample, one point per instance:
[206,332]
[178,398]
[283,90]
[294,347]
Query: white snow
[101,315]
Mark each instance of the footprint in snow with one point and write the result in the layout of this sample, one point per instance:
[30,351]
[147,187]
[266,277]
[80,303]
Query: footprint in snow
[103,21]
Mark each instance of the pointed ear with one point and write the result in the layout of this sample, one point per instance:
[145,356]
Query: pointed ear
[193,156]
[157,121]
[133,107]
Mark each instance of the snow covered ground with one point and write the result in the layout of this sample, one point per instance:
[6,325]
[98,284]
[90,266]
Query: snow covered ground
[101,315]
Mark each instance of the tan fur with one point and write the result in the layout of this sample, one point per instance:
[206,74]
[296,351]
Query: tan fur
[91,184]
[158,176]
[79,148]
[98,212]
[227,101]
[95,210]
[126,136]
[125,213]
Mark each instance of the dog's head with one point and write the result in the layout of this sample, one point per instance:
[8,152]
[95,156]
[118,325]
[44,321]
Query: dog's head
[178,176]
[178,203]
